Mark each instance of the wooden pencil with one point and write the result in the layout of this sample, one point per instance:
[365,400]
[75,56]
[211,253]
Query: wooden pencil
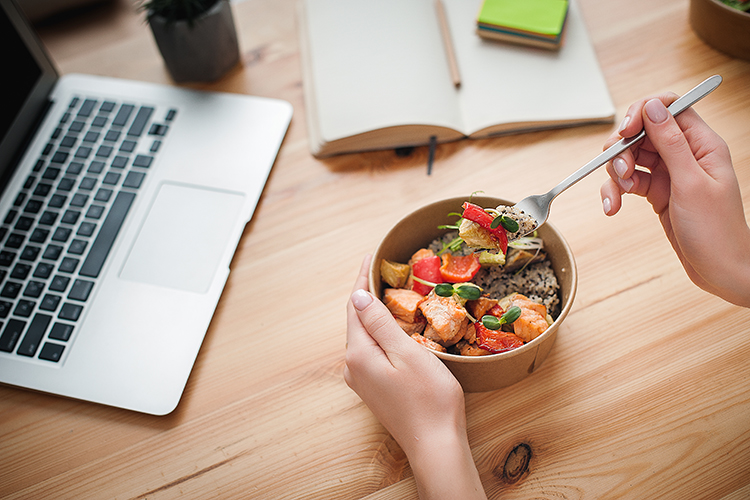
[448,42]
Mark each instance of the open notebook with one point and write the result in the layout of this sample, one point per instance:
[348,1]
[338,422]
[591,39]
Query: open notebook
[376,76]
[122,205]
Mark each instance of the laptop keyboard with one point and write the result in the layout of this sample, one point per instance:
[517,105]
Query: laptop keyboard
[64,221]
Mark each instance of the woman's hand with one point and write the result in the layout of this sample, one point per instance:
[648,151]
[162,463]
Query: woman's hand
[413,395]
[691,184]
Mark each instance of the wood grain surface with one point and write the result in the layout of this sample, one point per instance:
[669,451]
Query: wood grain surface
[646,393]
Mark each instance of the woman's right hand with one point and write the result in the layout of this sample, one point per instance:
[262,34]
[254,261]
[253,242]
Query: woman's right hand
[691,184]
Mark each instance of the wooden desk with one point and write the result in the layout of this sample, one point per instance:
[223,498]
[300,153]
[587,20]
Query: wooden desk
[646,393]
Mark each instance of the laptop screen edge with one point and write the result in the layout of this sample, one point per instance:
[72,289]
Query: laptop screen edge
[36,100]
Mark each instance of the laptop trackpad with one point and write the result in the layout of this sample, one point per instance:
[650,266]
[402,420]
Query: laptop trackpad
[183,238]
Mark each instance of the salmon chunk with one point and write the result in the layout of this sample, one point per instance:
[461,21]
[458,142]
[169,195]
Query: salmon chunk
[412,327]
[446,319]
[428,343]
[479,307]
[402,303]
[532,321]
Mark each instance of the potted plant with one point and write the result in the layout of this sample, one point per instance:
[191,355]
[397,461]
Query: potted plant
[197,38]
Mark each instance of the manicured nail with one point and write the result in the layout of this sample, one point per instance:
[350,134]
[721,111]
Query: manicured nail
[626,184]
[656,111]
[620,166]
[624,124]
[361,299]
[607,205]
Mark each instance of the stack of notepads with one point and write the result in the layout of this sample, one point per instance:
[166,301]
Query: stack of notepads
[539,23]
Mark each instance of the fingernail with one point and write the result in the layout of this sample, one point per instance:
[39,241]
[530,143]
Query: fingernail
[626,184]
[620,166]
[624,124]
[607,205]
[361,299]
[656,111]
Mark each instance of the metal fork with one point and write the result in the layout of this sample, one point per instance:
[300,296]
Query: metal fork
[537,206]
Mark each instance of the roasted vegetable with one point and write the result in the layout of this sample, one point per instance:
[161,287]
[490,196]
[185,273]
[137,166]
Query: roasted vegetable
[459,269]
[393,273]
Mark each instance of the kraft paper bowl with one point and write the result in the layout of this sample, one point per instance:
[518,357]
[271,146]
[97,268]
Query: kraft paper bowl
[723,27]
[491,372]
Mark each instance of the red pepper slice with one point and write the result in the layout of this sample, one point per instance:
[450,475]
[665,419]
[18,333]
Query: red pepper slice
[427,269]
[477,214]
[458,269]
[496,340]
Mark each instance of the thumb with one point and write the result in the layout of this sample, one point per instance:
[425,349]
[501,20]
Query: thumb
[379,322]
[670,142]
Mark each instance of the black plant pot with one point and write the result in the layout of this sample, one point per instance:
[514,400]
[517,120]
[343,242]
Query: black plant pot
[201,52]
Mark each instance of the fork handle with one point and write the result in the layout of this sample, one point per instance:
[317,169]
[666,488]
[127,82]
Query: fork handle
[681,104]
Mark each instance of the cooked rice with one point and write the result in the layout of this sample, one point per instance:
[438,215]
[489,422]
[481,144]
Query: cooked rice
[536,281]
[526,223]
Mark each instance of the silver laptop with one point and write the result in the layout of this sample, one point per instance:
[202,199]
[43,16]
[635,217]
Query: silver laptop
[122,205]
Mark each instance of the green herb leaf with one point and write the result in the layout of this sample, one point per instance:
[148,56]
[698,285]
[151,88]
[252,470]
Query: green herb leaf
[511,315]
[510,225]
[468,291]
[444,289]
[491,322]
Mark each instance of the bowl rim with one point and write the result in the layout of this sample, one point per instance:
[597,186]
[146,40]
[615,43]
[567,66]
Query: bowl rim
[730,10]
[527,346]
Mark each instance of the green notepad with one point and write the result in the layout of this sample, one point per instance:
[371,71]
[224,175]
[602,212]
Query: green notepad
[546,17]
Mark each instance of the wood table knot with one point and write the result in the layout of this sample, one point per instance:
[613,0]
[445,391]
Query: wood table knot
[516,464]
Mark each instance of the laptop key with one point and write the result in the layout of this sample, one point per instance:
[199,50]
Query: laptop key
[48,218]
[5,308]
[57,201]
[43,270]
[51,352]
[143,161]
[59,283]
[70,312]
[24,308]
[81,290]
[51,173]
[10,290]
[86,108]
[61,331]
[103,194]
[68,265]
[77,247]
[52,252]
[140,121]
[62,234]
[34,289]
[50,302]
[34,334]
[122,115]
[24,223]
[86,229]
[39,235]
[42,189]
[20,271]
[107,106]
[133,180]
[11,335]
[15,240]
[6,258]
[92,266]
[30,253]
